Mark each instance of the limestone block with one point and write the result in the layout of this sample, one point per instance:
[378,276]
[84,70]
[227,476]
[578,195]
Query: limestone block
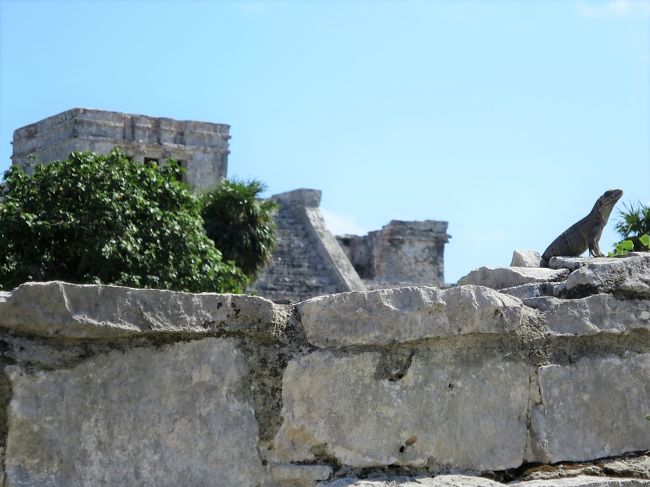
[593,408]
[629,276]
[466,481]
[504,277]
[439,481]
[387,316]
[531,290]
[593,314]
[166,417]
[91,311]
[584,481]
[570,263]
[525,258]
[451,411]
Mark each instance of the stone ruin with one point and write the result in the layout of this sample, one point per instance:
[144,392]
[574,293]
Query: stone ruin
[200,147]
[402,253]
[545,383]
[308,261]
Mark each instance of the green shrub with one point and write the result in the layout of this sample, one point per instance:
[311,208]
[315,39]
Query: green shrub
[105,219]
[241,225]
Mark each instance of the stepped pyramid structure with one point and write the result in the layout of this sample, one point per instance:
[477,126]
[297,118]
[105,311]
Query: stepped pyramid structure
[309,260]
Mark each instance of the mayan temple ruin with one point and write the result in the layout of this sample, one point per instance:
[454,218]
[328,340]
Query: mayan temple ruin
[309,260]
[200,147]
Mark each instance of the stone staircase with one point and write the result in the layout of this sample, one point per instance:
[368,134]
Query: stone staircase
[298,270]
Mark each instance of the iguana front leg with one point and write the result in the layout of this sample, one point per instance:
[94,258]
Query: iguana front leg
[594,239]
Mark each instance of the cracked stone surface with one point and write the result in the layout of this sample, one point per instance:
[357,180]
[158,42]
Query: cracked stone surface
[629,276]
[584,481]
[58,309]
[168,417]
[593,314]
[505,277]
[406,314]
[336,406]
[593,408]
[439,481]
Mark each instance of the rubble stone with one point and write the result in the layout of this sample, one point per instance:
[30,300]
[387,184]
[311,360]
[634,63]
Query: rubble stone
[506,277]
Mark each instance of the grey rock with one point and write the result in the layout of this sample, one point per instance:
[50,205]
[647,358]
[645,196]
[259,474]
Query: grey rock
[439,481]
[594,408]
[637,467]
[583,481]
[570,263]
[168,417]
[505,277]
[532,290]
[525,258]
[628,276]
[58,309]
[387,316]
[593,314]
[296,475]
[469,415]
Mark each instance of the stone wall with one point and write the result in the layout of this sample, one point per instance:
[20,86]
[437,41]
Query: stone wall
[201,147]
[410,386]
[400,254]
[308,261]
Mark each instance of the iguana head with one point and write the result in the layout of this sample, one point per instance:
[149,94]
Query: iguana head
[606,203]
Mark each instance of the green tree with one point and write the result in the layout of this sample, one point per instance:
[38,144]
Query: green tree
[634,227]
[105,219]
[241,225]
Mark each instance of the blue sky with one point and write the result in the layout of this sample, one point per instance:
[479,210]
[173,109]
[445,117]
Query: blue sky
[506,119]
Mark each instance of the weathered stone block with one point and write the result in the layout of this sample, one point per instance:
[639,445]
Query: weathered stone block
[90,311]
[584,481]
[466,481]
[628,276]
[406,314]
[504,277]
[439,481]
[532,290]
[570,263]
[593,314]
[174,416]
[469,415]
[594,408]
[525,258]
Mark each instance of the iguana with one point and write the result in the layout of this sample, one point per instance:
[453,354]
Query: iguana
[584,234]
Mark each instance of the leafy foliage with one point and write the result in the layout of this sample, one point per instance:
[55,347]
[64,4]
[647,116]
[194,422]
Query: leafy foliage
[241,225]
[622,248]
[103,218]
[634,224]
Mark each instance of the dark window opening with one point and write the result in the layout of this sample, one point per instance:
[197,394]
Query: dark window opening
[181,175]
[151,160]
